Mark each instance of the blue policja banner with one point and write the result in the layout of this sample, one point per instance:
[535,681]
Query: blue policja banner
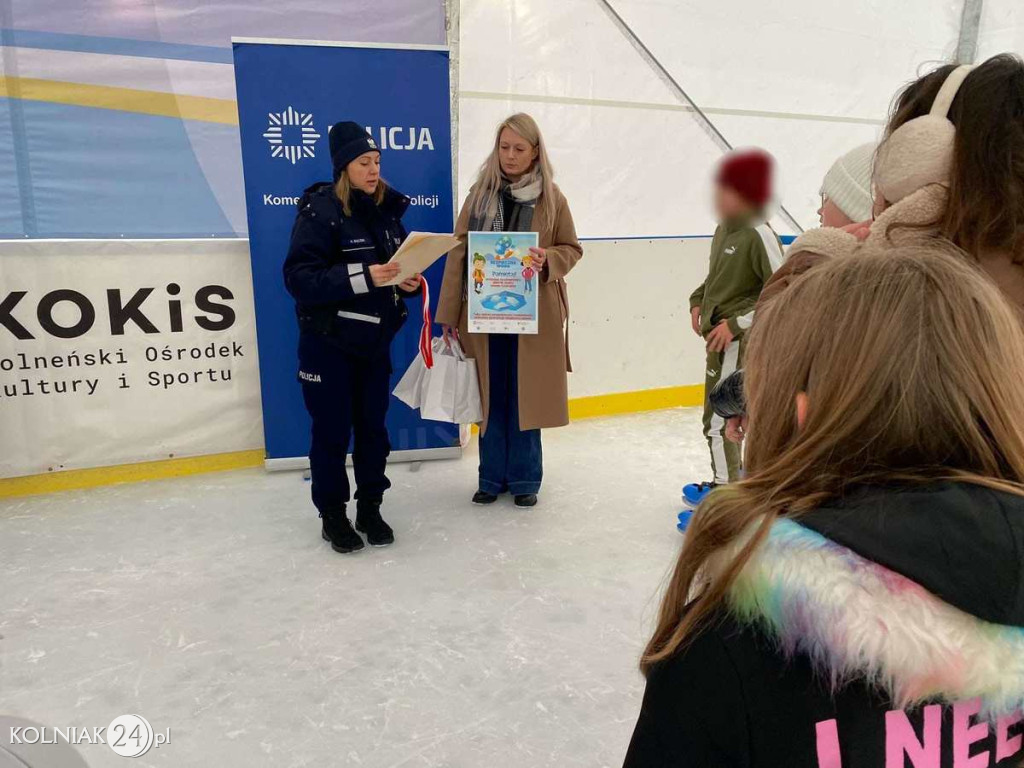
[288,97]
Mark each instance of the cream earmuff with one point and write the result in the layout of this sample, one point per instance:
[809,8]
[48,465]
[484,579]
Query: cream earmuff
[920,152]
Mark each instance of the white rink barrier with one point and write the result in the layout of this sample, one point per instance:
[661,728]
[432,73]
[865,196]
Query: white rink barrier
[120,352]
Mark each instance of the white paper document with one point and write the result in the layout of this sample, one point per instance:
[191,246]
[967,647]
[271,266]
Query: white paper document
[419,251]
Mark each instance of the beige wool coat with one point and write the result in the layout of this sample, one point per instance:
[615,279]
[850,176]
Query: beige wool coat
[543,358]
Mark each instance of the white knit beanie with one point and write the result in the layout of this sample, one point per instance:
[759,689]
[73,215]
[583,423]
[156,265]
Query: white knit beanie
[848,183]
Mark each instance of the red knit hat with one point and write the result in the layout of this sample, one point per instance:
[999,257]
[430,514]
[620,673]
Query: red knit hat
[749,172]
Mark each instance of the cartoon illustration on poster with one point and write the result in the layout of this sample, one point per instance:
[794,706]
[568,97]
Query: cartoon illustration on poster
[502,282]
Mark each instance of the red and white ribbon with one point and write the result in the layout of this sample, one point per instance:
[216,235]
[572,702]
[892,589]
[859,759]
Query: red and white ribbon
[426,350]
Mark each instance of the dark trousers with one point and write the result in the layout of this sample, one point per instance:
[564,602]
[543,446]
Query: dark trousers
[510,458]
[346,396]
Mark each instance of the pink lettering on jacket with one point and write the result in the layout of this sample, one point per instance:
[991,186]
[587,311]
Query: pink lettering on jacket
[965,734]
[902,742]
[828,744]
[1007,746]
[901,739]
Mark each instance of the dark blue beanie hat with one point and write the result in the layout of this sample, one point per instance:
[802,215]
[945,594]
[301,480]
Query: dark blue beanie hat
[348,141]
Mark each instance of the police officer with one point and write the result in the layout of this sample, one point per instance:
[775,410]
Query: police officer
[336,269]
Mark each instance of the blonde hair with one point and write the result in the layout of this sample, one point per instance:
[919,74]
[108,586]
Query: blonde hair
[489,179]
[343,189]
[910,359]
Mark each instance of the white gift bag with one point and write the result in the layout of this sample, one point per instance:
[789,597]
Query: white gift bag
[439,384]
[468,408]
[447,391]
[410,387]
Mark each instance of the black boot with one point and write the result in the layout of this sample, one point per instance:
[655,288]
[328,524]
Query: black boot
[483,498]
[338,530]
[369,521]
[526,500]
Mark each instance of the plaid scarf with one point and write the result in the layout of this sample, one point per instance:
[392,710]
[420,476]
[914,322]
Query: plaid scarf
[498,223]
[526,191]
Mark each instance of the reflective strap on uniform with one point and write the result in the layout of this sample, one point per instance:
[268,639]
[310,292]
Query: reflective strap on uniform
[359,316]
[355,269]
[359,285]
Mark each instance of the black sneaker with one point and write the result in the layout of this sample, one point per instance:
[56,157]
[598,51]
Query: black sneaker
[526,500]
[338,530]
[482,498]
[369,521]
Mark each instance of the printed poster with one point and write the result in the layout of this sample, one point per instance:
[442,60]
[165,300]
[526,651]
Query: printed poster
[502,282]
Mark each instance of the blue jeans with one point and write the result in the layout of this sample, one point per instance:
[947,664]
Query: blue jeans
[510,458]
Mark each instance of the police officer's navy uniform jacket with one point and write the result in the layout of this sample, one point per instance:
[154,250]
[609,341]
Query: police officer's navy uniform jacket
[346,327]
[328,268]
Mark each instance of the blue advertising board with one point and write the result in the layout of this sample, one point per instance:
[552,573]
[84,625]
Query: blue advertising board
[289,94]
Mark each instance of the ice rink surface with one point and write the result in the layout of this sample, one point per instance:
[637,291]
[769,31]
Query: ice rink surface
[485,637]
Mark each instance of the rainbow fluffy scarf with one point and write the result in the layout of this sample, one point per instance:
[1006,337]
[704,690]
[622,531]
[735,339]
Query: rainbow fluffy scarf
[857,619]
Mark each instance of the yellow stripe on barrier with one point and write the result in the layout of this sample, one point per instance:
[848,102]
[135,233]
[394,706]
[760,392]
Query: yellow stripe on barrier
[202,108]
[622,403]
[77,479]
[636,402]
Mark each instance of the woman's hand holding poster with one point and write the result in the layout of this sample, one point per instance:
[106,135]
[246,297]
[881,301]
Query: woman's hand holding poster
[502,282]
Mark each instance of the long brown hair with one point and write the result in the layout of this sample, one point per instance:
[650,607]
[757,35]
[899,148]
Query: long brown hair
[912,363]
[985,212]
[488,179]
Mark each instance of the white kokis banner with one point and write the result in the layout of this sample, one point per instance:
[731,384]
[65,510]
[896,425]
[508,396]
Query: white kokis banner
[117,352]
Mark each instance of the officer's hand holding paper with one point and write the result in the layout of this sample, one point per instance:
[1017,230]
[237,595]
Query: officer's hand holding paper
[419,251]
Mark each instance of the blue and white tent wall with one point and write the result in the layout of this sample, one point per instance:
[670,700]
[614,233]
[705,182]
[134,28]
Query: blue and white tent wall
[120,121]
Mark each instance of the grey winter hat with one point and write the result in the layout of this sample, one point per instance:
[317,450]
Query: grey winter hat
[848,183]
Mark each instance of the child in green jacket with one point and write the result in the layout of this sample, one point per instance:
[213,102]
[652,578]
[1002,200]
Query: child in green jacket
[744,253]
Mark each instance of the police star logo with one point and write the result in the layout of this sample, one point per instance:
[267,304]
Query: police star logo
[291,135]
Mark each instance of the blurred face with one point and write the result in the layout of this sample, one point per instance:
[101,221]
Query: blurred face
[515,154]
[830,216]
[364,172]
[729,204]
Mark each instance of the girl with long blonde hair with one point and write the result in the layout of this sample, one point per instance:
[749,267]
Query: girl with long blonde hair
[523,381]
[856,600]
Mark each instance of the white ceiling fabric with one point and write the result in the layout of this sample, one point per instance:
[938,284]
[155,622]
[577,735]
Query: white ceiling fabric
[807,80]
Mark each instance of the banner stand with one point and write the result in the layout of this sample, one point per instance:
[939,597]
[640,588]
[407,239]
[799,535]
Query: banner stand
[290,92]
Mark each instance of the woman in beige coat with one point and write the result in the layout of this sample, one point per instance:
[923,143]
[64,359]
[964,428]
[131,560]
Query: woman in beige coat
[523,379]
